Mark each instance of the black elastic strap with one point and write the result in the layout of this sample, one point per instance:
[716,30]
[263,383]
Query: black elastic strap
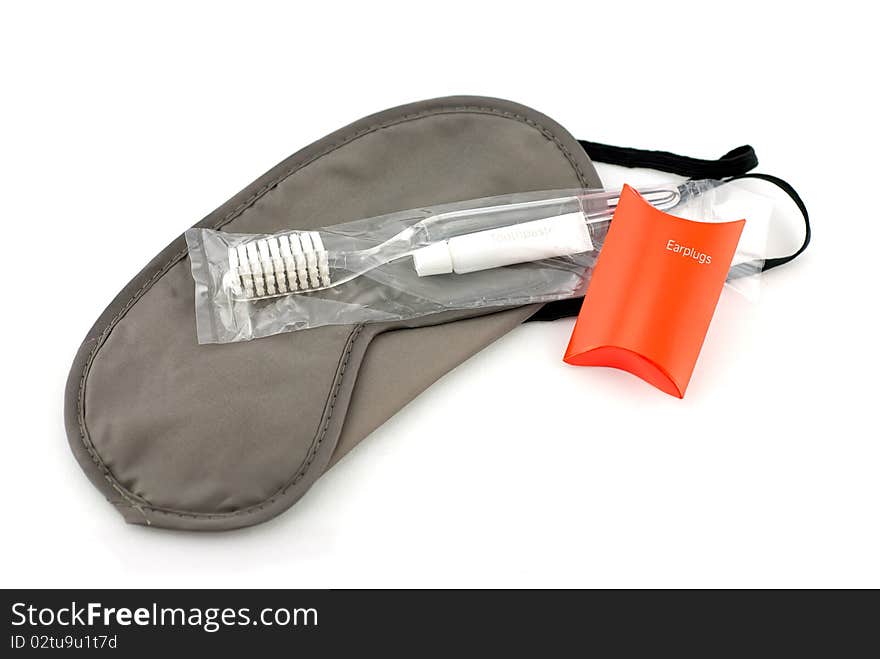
[733,163]
[558,309]
[786,187]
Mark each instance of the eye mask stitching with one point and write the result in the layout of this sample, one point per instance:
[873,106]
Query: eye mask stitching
[141,504]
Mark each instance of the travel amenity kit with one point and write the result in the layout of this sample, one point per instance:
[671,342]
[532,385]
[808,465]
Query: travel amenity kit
[258,349]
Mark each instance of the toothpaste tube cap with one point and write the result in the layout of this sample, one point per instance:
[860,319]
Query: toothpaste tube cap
[435,259]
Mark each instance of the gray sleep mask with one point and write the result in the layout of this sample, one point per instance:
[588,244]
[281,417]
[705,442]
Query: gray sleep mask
[215,437]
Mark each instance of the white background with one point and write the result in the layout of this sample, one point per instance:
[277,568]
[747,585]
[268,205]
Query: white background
[123,126]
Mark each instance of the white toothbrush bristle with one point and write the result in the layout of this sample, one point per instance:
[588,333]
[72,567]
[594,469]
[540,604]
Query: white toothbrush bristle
[267,266]
[278,265]
[256,269]
[245,272]
[323,259]
[311,259]
[290,263]
[300,258]
[234,273]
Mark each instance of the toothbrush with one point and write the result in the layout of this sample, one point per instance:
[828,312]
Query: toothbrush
[297,262]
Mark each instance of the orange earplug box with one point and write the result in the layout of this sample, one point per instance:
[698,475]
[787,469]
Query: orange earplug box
[653,293]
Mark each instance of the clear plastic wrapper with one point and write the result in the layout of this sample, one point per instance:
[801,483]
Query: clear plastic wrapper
[501,251]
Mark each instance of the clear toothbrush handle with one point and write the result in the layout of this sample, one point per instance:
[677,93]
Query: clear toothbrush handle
[563,234]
